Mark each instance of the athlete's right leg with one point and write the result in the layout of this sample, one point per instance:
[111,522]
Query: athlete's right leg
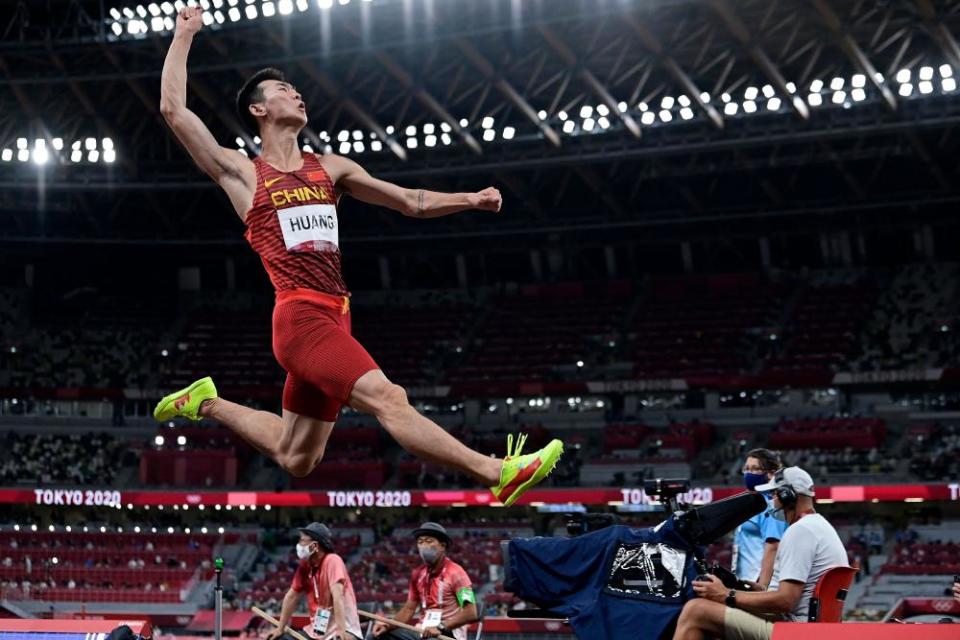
[295,442]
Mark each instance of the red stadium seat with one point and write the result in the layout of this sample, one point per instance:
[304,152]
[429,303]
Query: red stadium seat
[830,593]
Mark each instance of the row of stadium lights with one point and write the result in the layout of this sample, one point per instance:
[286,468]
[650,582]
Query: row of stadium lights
[591,120]
[597,119]
[160,16]
[136,529]
[91,149]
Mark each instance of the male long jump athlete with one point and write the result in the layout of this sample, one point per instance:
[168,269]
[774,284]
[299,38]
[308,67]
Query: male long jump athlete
[288,200]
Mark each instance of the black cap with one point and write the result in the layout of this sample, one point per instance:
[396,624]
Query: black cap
[435,530]
[321,533]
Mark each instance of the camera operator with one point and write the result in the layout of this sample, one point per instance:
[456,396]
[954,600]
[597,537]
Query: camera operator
[809,547]
[756,540]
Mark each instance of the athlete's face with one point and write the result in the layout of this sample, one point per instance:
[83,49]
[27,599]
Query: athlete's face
[282,104]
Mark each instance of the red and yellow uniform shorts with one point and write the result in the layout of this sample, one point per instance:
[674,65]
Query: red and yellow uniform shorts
[312,341]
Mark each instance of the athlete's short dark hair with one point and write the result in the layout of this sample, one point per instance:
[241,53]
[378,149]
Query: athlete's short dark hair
[251,93]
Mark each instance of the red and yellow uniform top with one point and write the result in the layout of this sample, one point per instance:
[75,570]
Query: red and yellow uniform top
[294,227]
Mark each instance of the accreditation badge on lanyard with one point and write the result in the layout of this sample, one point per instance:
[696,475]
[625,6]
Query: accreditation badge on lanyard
[322,618]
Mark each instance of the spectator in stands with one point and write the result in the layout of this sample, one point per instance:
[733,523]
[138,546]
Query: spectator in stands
[956,591]
[756,540]
[322,575]
[440,587]
[809,547]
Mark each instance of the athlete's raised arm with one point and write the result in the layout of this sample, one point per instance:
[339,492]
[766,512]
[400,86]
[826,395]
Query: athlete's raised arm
[417,203]
[220,163]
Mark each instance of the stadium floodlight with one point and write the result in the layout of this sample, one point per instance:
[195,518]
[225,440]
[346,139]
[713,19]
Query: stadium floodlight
[76,155]
[268,9]
[647,118]
[251,12]
[684,101]
[376,145]
[285,7]
[390,130]
[446,128]
[816,86]
[6,155]
[117,29]
[358,146]
[773,103]
[40,155]
[357,134]
[21,143]
[181,440]
[859,81]
[489,135]
[946,71]
[23,155]
[206,17]
[345,147]
[464,123]
[324,4]
[562,115]
[603,122]
[586,111]
[412,142]
[487,122]
[705,97]
[410,130]
[906,89]
[115,13]
[665,115]
[749,106]
[93,156]
[903,76]
[603,110]
[168,9]
[949,84]
[588,124]
[153,9]
[925,87]
[926,73]
[109,155]
[858,95]
[730,109]
[667,102]
[141,11]
[568,126]
[837,83]
[839,97]
[725,97]
[508,133]
[308,148]
[428,128]
[303,5]
[791,88]
[751,93]
[234,14]
[622,107]
[430,141]
[159,440]
[815,100]
[768,91]
[156,24]
[686,113]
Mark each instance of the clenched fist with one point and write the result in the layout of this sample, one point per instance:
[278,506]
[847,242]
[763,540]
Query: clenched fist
[189,20]
[488,200]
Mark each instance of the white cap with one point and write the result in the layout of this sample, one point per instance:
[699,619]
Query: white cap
[795,477]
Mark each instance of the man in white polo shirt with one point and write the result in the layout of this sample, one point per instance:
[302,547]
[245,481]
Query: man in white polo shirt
[809,547]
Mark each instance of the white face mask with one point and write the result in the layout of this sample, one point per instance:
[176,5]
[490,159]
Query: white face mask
[303,551]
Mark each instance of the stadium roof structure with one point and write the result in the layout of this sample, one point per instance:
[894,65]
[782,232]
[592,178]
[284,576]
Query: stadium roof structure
[588,114]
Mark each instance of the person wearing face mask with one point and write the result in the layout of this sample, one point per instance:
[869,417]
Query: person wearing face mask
[322,576]
[439,588]
[756,540]
[809,547]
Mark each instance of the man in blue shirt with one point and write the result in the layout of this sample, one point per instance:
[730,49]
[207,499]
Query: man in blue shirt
[756,540]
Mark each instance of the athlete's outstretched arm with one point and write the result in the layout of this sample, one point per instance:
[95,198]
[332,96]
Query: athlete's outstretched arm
[216,161]
[417,203]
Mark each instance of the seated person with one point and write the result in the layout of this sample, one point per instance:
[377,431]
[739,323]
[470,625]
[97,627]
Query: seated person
[808,548]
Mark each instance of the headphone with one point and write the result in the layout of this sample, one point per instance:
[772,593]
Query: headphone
[786,494]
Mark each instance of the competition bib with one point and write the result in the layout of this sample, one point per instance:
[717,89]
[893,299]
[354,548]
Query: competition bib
[312,227]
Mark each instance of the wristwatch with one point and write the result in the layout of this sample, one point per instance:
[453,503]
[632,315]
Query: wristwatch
[731,600]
